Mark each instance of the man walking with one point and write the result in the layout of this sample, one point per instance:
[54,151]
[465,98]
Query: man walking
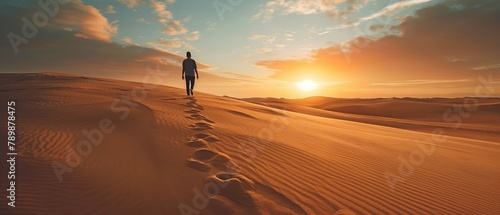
[188,70]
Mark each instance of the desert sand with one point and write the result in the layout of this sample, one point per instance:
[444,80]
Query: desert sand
[101,146]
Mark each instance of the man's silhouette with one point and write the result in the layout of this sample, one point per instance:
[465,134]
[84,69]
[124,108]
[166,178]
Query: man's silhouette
[188,70]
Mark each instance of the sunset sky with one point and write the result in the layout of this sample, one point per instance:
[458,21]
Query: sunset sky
[255,48]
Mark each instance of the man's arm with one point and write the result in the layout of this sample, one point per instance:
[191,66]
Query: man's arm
[196,70]
[182,70]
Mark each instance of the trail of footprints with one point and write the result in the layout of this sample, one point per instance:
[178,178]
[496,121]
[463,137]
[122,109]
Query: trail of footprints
[203,158]
[237,186]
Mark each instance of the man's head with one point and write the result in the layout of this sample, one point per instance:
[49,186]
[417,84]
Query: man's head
[188,54]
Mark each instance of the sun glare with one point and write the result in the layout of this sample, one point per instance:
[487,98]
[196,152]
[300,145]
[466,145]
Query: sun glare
[307,85]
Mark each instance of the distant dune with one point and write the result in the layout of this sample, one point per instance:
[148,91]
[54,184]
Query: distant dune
[475,118]
[101,146]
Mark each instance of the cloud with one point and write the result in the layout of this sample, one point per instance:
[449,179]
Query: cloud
[266,39]
[418,82]
[85,21]
[256,37]
[142,20]
[394,8]
[174,43]
[263,51]
[289,37]
[132,3]
[335,8]
[127,40]
[211,26]
[160,8]
[174,28]
[195,35]
[426,48]
[244,78]
[488,67]
[169,44]
[165,17]
[110,9]
[268,43]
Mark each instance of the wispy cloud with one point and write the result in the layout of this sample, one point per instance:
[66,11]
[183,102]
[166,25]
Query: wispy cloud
[256,37]
[263,51]
[266,39]
[166,17]
[163,15]
[335,8]
[173,43]
[394,8]
[195,35]
[418,82]
[127,40]
[174,28]
[142,20]
[487,67]
[211,26]
[132,3]
[110,9]
[160,8]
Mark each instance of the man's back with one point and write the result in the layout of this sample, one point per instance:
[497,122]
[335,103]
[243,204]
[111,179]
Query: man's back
[188,65]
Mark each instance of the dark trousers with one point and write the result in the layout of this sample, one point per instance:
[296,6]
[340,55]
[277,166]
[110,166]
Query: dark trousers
[189,81]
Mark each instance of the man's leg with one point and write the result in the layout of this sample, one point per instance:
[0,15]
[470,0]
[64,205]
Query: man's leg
[188,91]
[192,85]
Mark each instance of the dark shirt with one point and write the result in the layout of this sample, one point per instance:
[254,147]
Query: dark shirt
[188,66]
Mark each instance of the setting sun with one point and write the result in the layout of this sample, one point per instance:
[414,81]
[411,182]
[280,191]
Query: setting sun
[307,85]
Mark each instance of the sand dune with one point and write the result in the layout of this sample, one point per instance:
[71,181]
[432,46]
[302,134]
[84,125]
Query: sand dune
[127,149]
[456,116]
[430,109]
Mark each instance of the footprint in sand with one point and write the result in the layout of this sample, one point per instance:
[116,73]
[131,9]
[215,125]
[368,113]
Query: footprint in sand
[241,194]
[207,137]
[201,140]
[192,103]
[197,143]
[192,111]
[204,155]
[237,187]
[202,159]
[196,116]
[200,126]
